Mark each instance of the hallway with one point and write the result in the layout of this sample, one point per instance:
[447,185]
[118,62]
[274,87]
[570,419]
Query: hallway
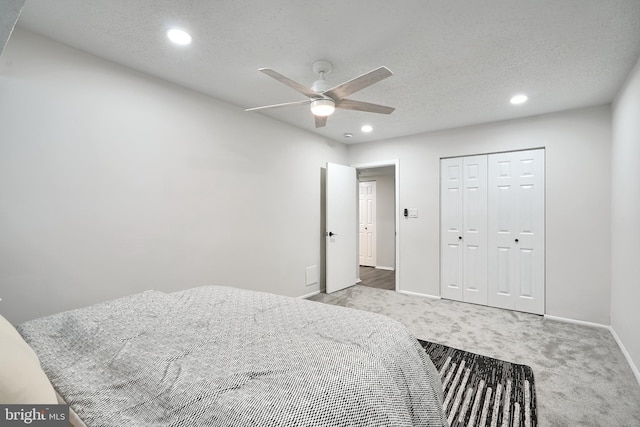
[377,278]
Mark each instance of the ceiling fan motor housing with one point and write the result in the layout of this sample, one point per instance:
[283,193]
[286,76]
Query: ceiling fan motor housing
[321,67]
[320,86]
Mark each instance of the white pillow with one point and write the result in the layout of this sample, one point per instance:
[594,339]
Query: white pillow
[22,380]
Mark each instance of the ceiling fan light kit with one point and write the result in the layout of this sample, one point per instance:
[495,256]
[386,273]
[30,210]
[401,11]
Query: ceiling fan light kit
[323,107]
[324,99]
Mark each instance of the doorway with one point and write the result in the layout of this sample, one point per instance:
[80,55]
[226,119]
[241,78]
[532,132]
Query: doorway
[378,259]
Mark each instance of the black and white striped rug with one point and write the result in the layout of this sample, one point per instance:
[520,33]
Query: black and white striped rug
[482,391]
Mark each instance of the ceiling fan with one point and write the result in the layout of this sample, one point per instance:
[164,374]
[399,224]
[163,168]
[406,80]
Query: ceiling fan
[324,99]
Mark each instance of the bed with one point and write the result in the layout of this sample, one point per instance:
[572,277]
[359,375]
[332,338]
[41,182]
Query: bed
[222,356]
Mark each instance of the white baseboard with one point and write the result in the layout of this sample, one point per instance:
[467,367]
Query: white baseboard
[627,356]
[382,267]
[576,322]
[416,294]
[309,295]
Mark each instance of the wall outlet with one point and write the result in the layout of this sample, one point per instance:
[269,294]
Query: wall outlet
[311,275]
[413,212]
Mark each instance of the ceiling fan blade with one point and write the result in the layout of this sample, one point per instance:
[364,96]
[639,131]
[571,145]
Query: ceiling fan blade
[347,88]
[292,84]
[350,104]
[321,121]
[286,104]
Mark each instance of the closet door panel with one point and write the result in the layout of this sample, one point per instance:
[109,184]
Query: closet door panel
[501,224]
[530,254]
[451,245]
[474,235]
[516,230]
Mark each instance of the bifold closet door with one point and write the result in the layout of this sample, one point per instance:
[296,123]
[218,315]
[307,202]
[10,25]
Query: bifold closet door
[474,237]
[463,221]
[516,231]
[451,229]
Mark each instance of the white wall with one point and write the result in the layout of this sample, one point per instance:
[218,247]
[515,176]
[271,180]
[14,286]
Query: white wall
[385,220]
[577,201]
[112,182]
[625,217]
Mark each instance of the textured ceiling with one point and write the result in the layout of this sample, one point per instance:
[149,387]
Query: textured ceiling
[455,62]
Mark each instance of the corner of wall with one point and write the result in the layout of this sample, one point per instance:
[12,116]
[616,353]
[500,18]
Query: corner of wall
[9,14]
[626,354]
[625,209]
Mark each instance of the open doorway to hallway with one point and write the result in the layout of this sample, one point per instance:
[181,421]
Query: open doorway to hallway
[377,278]
[377,261]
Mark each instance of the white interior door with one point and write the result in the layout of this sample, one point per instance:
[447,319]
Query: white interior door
[342,222]
[516,231]
[474,237]
[463,222]
[367,227]
[451,263]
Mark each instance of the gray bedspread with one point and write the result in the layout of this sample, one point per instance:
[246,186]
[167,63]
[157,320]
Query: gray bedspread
[218,356]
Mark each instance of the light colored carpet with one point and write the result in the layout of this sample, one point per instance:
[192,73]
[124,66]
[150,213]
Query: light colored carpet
[581,376]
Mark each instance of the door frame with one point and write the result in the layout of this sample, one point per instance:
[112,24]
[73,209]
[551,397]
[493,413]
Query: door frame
[372,165]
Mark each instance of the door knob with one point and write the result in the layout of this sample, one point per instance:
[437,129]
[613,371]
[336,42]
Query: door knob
[517,240]
[459,237]
[332,234]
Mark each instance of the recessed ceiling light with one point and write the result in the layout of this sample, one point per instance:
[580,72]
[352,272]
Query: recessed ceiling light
[180,37]
[519,99]
[366,128]
[348,135]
